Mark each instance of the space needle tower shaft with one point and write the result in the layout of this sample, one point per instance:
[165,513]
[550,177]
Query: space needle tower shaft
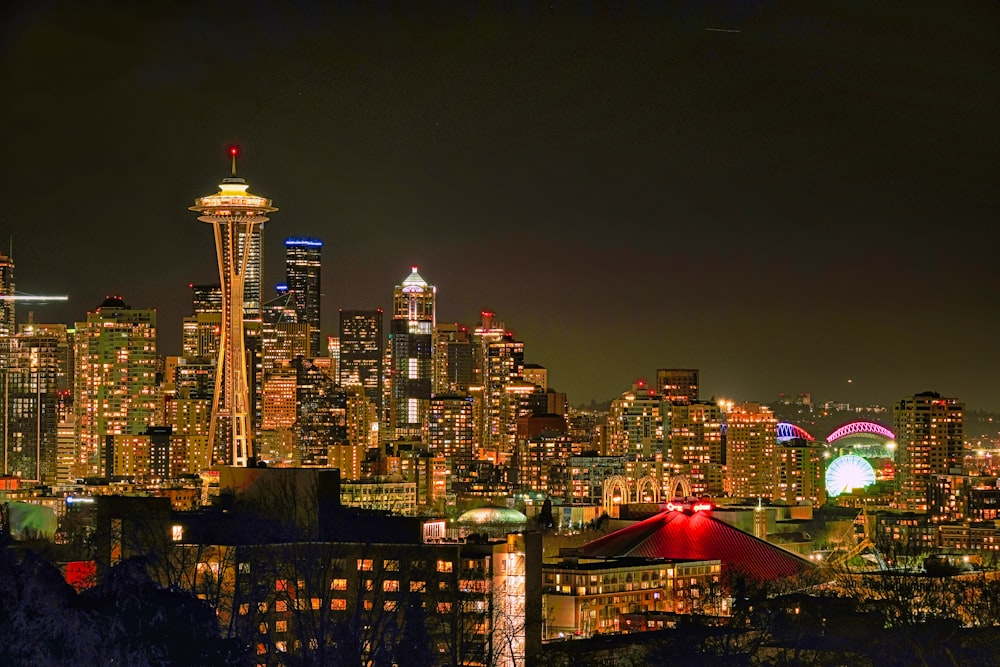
[235,215]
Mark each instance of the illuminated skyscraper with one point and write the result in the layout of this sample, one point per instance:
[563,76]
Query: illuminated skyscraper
[799,472]
[236,216]
[453,359]
[302,277]
[693,435]
[361,352]
[39,370]
[410,349]
[7,320]
[115,378]
[677,385]
[751,438]
[451,431]
[7,329]
[635,423]
[929,436]
[202,330]
[321,415]
[206,298]
[499,370]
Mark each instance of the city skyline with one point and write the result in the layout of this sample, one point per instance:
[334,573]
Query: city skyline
[803,204]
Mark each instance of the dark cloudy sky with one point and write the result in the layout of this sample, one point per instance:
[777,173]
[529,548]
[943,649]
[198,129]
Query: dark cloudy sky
[785,195]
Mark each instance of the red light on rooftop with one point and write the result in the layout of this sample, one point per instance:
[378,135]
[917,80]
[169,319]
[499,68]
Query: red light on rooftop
[234,150]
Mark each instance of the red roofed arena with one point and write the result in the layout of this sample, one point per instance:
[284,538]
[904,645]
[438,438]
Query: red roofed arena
[697,535]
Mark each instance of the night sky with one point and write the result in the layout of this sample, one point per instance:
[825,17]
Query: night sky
[785,195]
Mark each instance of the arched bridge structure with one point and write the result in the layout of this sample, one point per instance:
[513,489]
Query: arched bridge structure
[787,431]
[862,428]
[867,439]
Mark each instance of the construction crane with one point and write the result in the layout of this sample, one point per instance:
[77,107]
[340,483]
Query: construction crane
[866,543]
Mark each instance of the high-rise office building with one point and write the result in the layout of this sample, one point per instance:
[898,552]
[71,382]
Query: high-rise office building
[7,330]
[499,370]
[302,277]
[280,399]
[751,438]
[321,416]
[38,371]
[677,385]
[451,430]
[693,436]
[7,319]
[410,350]
[537,375]
[115,389]
[362,419]
[361,351]
[453,359]
[635,423]
[693,432]
[236,217]
[799,472]
[929,438]
[206,298]
[254,272]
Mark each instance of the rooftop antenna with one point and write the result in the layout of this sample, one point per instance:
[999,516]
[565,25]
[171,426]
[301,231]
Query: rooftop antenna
[234,151]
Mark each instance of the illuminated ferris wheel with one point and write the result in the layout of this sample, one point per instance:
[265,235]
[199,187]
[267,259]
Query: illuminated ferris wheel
[847,473]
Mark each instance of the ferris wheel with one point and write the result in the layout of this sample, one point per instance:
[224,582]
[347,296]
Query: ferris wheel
[847,473]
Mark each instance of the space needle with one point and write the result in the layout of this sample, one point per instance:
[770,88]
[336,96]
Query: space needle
[235,215]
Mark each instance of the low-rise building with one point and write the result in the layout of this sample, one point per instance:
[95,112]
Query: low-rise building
[588,596]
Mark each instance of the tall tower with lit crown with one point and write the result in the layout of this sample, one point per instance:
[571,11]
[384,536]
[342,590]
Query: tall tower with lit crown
[410,333]
[236,216]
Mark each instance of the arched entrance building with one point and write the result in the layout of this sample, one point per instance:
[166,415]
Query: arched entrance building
[621,490]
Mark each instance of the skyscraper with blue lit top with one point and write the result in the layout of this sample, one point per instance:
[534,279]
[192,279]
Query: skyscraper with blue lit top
[303,257]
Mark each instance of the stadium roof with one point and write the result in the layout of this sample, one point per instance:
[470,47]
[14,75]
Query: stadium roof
[684,535]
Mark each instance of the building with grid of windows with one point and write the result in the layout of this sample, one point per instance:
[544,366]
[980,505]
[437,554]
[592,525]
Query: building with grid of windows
[410,353]
[115,378]
[929,436]
[361,350]
[303,261]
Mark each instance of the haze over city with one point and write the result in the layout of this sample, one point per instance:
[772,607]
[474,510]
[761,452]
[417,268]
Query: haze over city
[788,198]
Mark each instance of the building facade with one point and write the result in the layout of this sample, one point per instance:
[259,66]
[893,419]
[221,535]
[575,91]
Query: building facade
[751,438]
[361,352]
[35,383]
[410,354]
[115,386]
[929,436]
[677,385]
[303,262]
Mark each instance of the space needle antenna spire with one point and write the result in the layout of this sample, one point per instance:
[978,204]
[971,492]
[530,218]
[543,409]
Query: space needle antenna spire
[235,215]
